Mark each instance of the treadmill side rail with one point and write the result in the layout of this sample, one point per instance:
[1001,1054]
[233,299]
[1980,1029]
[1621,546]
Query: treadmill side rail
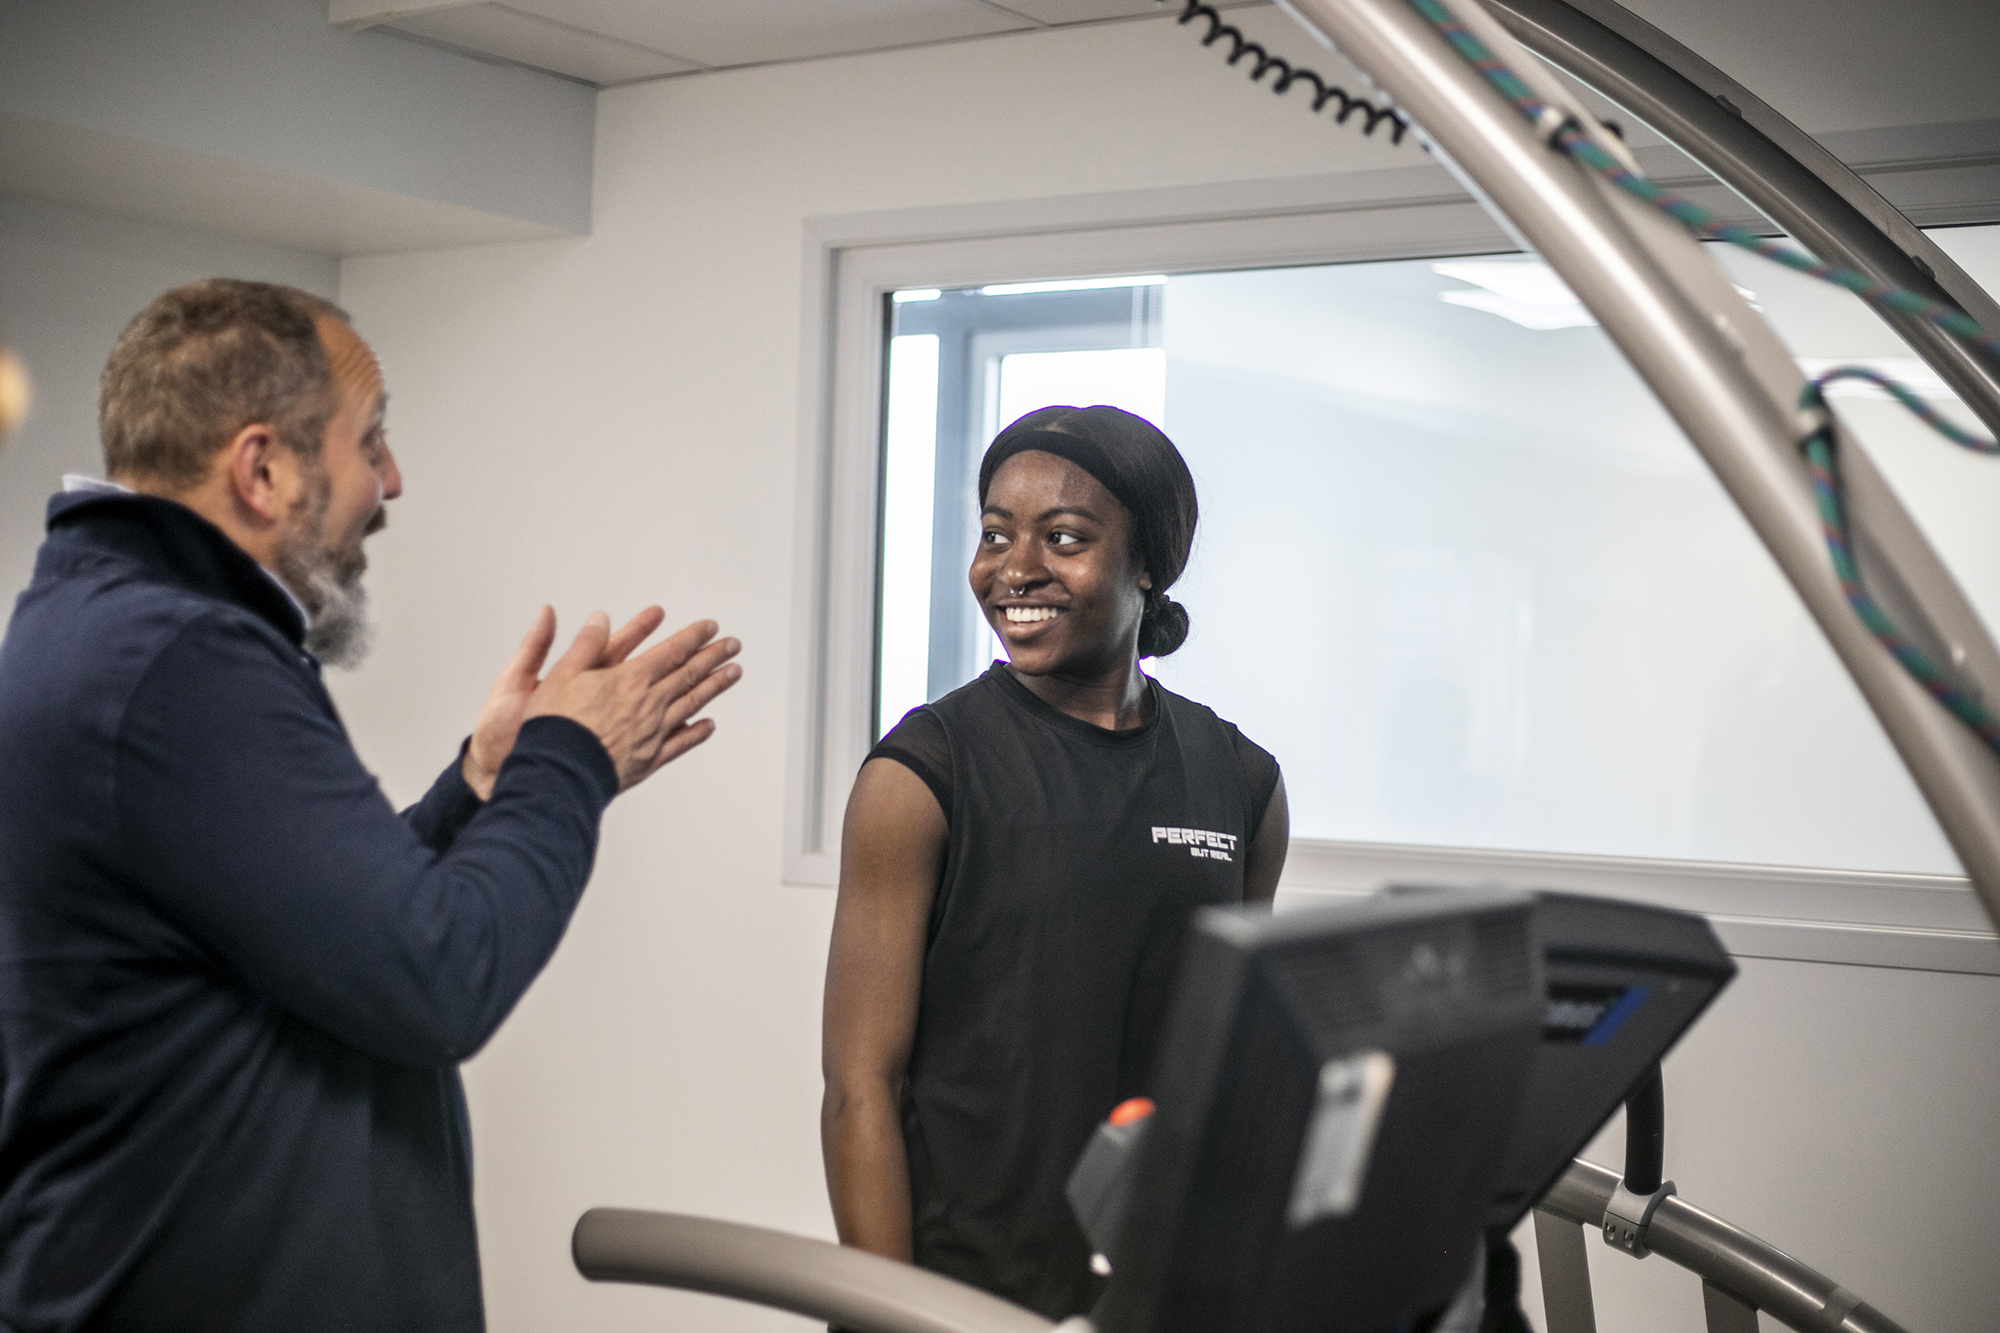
[815,1278]
[1738,1268]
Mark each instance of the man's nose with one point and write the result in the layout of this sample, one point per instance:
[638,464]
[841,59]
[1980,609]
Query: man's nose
[391,476]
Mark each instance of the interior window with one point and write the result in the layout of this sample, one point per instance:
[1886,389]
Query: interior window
[1456,567]
[962,364]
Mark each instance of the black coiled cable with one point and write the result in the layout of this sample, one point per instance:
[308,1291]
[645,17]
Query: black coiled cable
[1289,74]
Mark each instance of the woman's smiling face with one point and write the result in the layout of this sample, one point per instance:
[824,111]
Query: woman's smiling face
[1056,571]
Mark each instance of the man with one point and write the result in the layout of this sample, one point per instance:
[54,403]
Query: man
[235,986]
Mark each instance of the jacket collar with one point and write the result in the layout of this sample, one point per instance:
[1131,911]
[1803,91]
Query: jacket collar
[174,543]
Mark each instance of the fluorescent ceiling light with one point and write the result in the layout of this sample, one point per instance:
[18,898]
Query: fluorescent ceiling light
[1526,291]
[1527,314]
[1528,281]
[1909,371]
[917,294]
[1073,285]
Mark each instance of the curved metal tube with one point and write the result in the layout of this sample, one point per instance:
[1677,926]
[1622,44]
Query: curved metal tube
[1777,167]
[1724,1255]
[810,1277]
[1716,368]
[864,1292]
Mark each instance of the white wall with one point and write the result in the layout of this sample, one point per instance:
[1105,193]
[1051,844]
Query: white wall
[607,421]
[269,85]
[70,281]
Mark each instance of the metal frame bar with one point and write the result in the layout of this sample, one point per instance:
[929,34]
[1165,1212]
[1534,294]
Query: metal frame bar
[1779,169]
[814,1278]
[1721,374]
[1741,1275]
[1724,1313]
[1565,1265]
[1736,1268]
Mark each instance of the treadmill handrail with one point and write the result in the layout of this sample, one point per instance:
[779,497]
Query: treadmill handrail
[1725,1256]
[814,1278]
[1783,172]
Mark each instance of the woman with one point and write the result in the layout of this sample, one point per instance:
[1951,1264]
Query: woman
[1018,864]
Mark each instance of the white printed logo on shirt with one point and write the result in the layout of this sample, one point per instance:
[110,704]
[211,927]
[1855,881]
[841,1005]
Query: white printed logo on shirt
[1199,842]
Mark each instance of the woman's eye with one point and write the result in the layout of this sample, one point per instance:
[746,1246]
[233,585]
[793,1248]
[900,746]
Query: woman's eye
[1063,539]
[992,538]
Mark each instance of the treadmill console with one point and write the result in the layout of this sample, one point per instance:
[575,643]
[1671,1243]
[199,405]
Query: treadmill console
[1349,1096]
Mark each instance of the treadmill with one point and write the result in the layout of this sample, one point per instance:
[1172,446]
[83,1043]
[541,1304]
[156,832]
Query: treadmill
[1351,1104]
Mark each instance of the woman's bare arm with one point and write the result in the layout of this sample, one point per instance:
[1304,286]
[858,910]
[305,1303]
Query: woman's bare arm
[1267,849]
[891,852]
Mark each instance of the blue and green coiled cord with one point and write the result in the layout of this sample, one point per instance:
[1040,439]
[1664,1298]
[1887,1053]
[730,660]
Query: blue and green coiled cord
[1564,132]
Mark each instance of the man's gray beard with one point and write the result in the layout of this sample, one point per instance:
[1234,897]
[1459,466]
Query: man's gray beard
[327,581]
[340,635]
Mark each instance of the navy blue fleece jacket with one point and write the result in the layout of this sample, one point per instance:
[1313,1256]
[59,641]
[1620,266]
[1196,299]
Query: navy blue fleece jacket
[235,985]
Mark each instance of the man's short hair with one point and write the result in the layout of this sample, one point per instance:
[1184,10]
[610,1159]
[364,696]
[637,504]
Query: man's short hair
[202,362]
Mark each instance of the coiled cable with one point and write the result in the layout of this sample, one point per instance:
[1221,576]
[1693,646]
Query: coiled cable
[1263,62]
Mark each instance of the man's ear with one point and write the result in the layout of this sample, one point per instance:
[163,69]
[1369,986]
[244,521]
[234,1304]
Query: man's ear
[262,473]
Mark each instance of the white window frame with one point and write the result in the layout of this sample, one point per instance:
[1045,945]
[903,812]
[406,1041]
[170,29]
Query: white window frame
[853,263]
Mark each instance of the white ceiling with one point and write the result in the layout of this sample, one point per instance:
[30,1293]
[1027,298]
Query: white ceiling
[605,42]
[1828,64]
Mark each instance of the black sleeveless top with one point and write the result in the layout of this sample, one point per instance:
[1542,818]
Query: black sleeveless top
[1074,858]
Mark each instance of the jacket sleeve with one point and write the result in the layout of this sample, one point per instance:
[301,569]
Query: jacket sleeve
[444,811]
[245,813]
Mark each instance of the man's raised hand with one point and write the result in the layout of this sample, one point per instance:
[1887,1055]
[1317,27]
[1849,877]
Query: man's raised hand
[506,706]
[643,710]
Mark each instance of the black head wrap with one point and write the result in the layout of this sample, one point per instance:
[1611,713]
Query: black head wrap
[1132,459]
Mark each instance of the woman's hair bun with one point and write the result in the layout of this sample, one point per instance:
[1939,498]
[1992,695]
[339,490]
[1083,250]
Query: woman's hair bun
[1163,628]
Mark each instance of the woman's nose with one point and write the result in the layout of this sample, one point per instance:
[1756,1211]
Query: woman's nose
[1023,568]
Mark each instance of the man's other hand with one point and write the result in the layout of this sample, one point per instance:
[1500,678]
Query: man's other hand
[506,706]
[642,710]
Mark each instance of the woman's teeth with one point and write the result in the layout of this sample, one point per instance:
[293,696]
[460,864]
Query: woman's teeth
[1027,615]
